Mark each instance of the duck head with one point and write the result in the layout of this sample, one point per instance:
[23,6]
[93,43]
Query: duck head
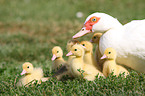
[96,38]
[99,22]
[88,47]
[27,68]
[57,53]
[71,43]
[109,54]
[76,50]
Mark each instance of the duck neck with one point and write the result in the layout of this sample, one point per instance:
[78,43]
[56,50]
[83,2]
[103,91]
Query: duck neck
[88,58]
[76,60]
[59,58]
[88,54]
[80,58]
[112,38]
[110,61]
[107,24]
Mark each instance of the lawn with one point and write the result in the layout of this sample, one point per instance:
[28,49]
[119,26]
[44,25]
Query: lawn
[29,29]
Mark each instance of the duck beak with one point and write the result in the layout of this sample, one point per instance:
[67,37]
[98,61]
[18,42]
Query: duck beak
[82,32]
[53,57]
[23,72]
[103,57]
[70,53]
[83,46]
[91,41]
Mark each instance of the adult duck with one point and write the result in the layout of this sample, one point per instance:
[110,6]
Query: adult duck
[127,40]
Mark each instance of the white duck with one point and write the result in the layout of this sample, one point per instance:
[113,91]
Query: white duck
[127,40]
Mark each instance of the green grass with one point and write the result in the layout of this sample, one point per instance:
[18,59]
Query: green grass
[30,28]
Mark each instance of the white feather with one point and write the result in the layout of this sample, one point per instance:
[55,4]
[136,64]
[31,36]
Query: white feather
[127,40]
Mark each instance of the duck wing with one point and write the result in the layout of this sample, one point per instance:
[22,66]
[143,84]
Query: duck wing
[61,70]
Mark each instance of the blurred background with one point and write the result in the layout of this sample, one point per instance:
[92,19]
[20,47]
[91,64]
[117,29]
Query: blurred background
[30,28]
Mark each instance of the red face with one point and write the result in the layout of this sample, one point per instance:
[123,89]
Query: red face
[93,20]
[87,27]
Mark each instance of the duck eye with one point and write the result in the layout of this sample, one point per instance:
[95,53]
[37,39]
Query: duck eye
[94,19]
[27,66]
[75,49]
[57,51]
[83,44]
[109,52]
[95,37]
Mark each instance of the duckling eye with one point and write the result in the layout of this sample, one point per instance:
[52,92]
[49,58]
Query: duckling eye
[57,51]
[27,66]
[95,37]
[83,44]
[75,49]
[109,52]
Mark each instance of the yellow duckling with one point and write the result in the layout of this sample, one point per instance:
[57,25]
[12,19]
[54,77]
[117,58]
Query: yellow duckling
[64,70]
[58,61]
[57,58]
[31,74]
[68,47]
[77,63]
[71,43]
[88,56]
[110,63]
[95,39]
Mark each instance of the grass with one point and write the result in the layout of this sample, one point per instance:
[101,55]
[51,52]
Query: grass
[30,28]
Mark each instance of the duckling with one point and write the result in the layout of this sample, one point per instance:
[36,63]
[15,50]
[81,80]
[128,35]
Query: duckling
[68,47]
[57,58]
[95,39]
[60,71]
[77,63]
[71,43]
[31,74]
[88,56]
[110,63]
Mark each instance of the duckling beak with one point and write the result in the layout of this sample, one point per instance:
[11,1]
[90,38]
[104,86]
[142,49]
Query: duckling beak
[103,57]
[83,46]
[91,41]
[70,53]
[23,72]
[82,32]
[53,57]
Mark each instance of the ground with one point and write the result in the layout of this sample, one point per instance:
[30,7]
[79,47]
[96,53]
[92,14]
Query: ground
[29,29]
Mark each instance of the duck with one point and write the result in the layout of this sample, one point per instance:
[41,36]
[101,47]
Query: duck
[60,66]
[57,58]
[70,43]
[77,63]
[30,73]
[128,40]
[88,56]
[95,39]
[110,65]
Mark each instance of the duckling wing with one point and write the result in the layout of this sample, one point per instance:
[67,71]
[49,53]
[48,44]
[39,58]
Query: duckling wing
[89,69]
[61,70]
[37,73]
